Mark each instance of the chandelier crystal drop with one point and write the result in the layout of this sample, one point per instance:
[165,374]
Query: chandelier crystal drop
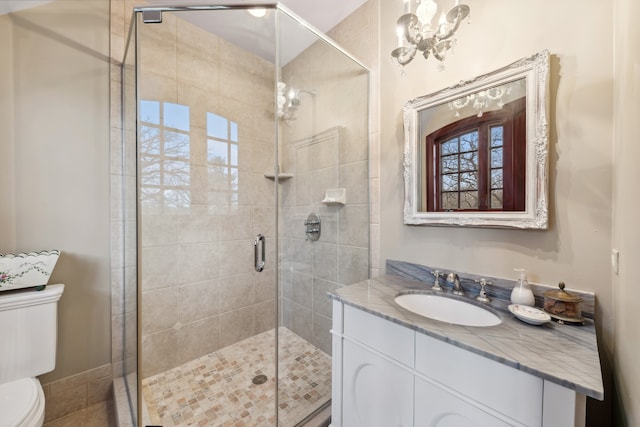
[420,31]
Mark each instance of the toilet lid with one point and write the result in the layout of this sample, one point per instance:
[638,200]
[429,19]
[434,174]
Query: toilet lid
[17,400]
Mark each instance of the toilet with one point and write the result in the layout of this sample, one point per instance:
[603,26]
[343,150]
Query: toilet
[28,339]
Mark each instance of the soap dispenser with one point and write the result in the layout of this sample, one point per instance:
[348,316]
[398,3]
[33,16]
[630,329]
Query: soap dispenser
[522,293]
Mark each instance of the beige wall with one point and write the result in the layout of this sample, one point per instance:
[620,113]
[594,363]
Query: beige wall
[576,247]
[7,211]
[626,229]
[58,108]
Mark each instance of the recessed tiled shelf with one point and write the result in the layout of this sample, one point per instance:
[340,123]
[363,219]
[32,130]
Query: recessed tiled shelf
[281,177]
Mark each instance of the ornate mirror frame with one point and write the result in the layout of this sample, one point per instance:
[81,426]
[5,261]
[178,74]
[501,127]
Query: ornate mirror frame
[535,71]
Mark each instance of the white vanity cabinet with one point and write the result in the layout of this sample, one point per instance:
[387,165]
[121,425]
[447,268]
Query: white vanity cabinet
[388,375]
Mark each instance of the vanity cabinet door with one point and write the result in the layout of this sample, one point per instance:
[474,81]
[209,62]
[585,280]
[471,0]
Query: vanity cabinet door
[376,392]
[503,389]
[436,407]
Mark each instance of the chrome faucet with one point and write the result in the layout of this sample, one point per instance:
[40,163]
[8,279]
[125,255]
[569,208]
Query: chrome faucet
[455,280]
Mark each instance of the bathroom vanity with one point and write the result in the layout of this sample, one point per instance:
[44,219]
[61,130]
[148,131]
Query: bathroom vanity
[392,367]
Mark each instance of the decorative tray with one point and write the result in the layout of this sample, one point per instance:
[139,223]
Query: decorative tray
[531,315]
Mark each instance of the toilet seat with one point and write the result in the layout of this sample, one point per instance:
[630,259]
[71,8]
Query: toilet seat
[21,403]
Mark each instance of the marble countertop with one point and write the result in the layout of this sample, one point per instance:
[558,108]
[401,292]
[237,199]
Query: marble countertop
[564,354]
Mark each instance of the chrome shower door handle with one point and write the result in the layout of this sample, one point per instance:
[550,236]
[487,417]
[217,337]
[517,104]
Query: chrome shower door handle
[259,262]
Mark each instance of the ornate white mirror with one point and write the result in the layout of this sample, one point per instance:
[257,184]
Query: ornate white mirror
[476,154]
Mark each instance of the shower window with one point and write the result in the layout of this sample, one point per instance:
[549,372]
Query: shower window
[165,171]
[222,160]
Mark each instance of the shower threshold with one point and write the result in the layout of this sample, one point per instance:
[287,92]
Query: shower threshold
[218,389]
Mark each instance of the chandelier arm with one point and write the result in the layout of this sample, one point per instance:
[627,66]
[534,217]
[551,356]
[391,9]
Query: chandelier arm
[437,55]
[408,22]
[412,36]
[405,60]
[452,31]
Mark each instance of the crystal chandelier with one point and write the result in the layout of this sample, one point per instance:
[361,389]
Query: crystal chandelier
[288,101]
[480,101]
[418,31]
[487,99]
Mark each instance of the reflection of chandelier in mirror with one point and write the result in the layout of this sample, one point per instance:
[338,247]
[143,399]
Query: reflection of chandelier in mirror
[487,99]
[289,100]
[419,32]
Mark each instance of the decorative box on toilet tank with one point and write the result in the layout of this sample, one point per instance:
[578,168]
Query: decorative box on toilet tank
[26,269]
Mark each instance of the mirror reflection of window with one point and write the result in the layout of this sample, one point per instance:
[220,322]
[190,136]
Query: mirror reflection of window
[497,169]
[459,172]
[478,163]
[165,147]
[222,160]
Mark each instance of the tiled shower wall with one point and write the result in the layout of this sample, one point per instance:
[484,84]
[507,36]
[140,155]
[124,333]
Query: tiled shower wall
[199,290]
[358,34]
[325,147]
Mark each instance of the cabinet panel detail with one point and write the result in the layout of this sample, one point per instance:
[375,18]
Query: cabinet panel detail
[507,390]
[435,407]
[388,338]
[376,392]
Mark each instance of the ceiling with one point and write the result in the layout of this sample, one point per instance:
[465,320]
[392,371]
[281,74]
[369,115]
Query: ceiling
[325,14]
[7,6]
[322,14]
[248,32]
[257,34]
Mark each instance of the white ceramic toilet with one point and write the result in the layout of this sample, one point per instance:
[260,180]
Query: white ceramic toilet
[28,338]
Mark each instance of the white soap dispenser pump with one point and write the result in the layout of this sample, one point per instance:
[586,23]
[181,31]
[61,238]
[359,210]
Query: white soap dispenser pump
[522,293]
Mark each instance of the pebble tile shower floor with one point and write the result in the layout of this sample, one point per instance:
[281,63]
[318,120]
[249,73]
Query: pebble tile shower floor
[216,390]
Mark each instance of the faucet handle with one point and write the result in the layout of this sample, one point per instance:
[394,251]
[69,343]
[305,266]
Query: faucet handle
[436,283]
[482,296]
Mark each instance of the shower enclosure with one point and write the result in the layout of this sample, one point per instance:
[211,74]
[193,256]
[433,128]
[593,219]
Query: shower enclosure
[245,145]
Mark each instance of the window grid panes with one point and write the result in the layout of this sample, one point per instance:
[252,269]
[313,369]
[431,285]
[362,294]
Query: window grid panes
[222,160]
[496,138]
[459,172]
[165,149]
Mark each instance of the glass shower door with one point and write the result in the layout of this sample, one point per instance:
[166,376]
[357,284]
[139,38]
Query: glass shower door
[206,137]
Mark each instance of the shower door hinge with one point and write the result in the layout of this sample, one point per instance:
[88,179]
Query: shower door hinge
[152,16]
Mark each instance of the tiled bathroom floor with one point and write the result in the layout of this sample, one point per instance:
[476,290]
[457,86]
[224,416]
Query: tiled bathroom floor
[217,389]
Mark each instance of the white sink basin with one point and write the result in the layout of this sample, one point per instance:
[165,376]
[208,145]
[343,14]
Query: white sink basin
[448,310]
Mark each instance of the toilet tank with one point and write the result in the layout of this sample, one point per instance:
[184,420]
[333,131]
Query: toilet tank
[28,332]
